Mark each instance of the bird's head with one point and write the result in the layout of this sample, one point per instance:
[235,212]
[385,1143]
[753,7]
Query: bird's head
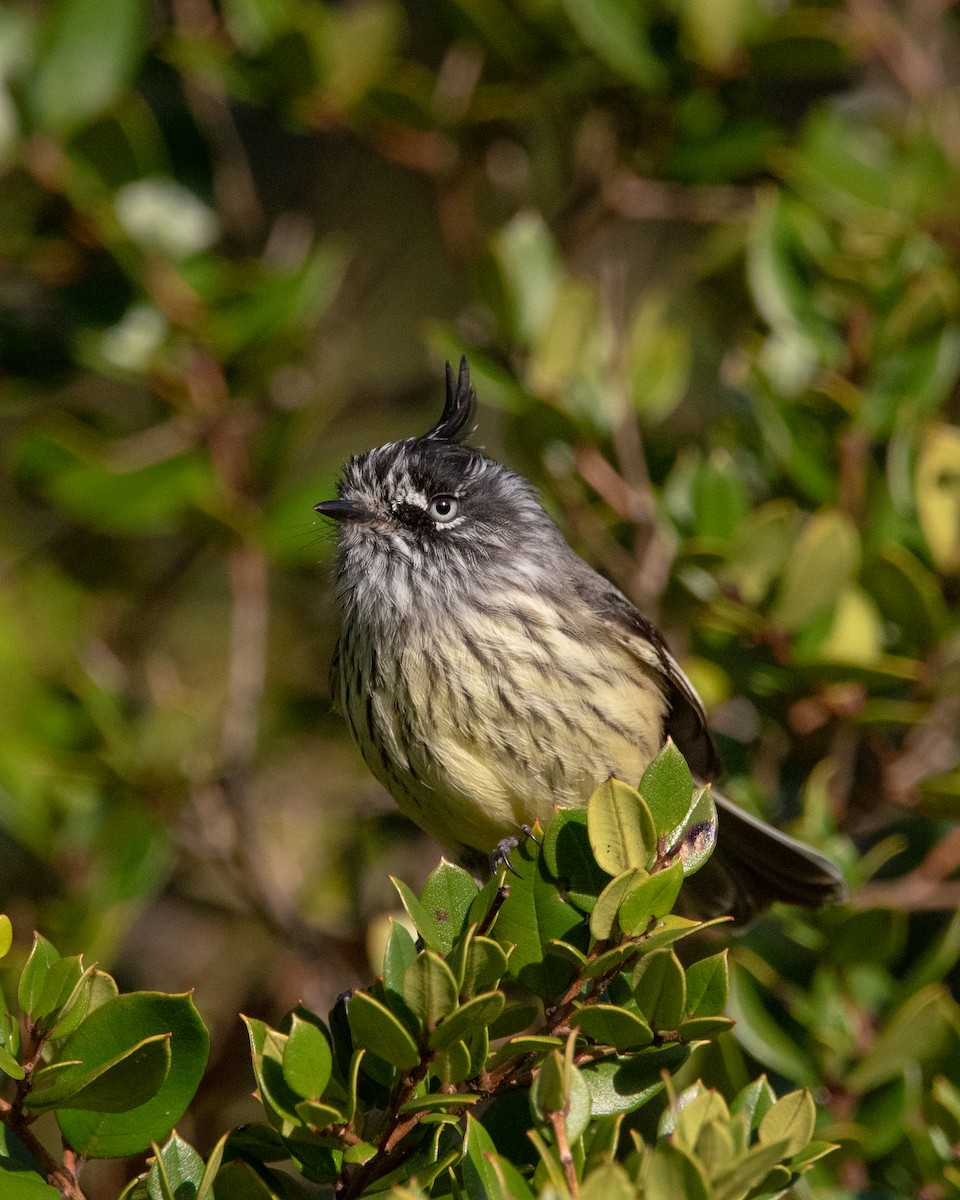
[437,505]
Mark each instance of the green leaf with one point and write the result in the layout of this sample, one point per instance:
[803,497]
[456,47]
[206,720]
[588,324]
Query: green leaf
[695,838]
[375,1028]
[6,935]
[917,1033]
[119,1084]
[691,1112]
[211,1169]
[658,360]
[750,1170]
[559,1088]
[673,929]
[621,828]
[667,787]
[764,1034]
[603,919]
[659,987]
[938,495]
[790,1120]
[569,858]
[480,1180]
[761,549]
[482,904]
[176,1171]
[312,1112]
[530,263]
[62,977]
[670,1172]
[754,1101]
[486,965]
[307,1059]
[695,1029]
[420,915]
[90,56]
[278,1098]
[440,1103]
[454,1064]
[33,978]
[533,915]
[719,501]
[536,1044]
[616,31]
[622,1085]
[430,989]
[822,565]
[114,1027]
[707,986]
[25,1185]
[608,1182]
[612,959]
[9,1065]
[447,896]
[613,1026]
[400,952]
[77,1004]
[476,1014]
[651,899]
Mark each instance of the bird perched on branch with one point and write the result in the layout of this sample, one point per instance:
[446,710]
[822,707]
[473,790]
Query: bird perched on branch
[488,674]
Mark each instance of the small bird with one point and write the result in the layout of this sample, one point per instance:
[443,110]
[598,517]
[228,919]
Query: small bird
[488,673]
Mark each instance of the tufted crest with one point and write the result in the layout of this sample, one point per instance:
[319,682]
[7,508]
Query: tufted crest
[458,408]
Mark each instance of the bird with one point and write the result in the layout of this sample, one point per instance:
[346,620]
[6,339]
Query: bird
[488,674]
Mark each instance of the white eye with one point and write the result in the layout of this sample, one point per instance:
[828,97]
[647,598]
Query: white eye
[444,508]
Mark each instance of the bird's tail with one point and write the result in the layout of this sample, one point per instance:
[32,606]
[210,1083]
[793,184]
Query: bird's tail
[754,865]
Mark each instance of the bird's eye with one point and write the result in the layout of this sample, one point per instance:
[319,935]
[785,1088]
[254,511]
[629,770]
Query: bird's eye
[444,508]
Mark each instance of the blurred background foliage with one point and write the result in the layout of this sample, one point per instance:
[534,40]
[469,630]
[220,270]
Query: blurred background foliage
[704,259]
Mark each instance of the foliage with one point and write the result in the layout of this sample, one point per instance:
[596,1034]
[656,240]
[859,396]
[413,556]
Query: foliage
[566,1002]
[703,258]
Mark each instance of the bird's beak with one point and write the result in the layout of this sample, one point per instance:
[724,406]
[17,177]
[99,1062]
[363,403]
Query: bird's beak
[343,510]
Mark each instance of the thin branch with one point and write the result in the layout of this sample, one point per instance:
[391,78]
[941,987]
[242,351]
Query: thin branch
[558,1124]
[61,1176]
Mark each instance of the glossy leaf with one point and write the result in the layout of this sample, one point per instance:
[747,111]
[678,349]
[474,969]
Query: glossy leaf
[707,986]
[667,787]
[176,1172]
[307,1059]
[613,1026]
[119,1084]
[376,1029]
[447,895]
[420,915]
[430,989]
[622,832]
[113,1028]
[659,987]
[33,978]
[469,1018]
[604,920]
[650,899]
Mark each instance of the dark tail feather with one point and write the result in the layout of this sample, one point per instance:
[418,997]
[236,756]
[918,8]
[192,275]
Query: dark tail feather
[754,865]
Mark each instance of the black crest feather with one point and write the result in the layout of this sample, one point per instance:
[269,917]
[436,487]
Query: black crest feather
[456,420]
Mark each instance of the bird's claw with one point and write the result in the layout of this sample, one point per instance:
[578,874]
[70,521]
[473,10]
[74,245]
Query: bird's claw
[500,858]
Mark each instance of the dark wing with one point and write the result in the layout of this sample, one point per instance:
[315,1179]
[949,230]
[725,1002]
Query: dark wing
[686,720]
[753,864]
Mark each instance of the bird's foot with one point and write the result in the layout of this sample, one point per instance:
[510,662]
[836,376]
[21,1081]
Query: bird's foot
[500,858]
